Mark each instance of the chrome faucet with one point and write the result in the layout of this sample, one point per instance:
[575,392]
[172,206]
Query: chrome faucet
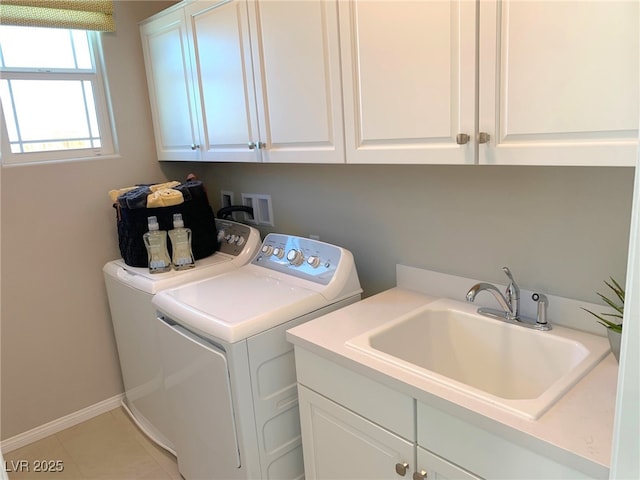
[510,304]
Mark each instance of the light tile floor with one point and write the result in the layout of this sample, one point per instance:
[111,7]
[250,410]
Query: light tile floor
[108,447]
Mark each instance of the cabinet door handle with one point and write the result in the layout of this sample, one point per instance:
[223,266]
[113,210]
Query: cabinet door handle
[262,145]
[462,139]
[194,146]
[483,137]
[401,468]
[422,474]
[251,145]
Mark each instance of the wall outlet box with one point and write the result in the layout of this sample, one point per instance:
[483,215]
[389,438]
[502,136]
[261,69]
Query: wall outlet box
[248,200]
[226,198]
[262,208]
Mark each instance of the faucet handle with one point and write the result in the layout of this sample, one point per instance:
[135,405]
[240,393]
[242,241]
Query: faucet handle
[508,274]
[512,293]
[512,283]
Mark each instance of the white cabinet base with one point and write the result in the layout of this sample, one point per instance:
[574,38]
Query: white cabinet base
[340,445]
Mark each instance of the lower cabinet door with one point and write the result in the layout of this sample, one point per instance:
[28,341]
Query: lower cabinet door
[432,467]
[341,445]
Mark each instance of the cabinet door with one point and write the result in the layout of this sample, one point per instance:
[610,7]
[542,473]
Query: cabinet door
[338,444]
[409,80]
[173,106]
[223,72]
[559,82]
[296,56]
[432,467]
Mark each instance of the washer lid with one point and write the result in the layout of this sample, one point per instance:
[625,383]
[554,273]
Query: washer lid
[238,304]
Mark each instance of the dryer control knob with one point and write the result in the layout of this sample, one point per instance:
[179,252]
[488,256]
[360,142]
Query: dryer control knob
[295,257]
[231,238]
[278,252]
[221,235]
[240,241]
[314,261]
[267,250]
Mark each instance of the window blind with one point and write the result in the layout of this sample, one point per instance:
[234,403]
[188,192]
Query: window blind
[76,14]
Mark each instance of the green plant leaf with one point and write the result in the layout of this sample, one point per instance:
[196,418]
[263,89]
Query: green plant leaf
[619,291]
[616,327]
[619,308]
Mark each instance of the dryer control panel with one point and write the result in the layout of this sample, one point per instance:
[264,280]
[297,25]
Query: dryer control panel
[301,257]
[233,237]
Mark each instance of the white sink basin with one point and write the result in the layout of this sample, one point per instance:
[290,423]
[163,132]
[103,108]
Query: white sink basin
[518,369]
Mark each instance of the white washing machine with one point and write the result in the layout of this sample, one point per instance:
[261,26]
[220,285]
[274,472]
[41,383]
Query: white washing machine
[229,371]
[130,290]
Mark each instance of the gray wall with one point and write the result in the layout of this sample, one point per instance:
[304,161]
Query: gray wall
[58,230]
[561,230]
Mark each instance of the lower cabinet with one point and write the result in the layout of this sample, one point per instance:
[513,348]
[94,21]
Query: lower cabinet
[484,452]
[341,445]
[356,428]
[435,468]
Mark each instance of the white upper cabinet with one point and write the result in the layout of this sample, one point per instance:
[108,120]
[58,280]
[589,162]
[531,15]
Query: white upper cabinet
[512,82]
[409,80]
[220,48]
[264,84]
[559,82]
[296,57]
[173,104]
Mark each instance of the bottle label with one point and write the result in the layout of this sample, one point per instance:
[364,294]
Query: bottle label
[156,264]
[182,261]
[182,256]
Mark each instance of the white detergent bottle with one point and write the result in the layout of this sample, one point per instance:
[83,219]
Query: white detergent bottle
[181,244]
[156,242]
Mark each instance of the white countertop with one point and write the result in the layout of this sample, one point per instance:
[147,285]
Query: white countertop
[576,431]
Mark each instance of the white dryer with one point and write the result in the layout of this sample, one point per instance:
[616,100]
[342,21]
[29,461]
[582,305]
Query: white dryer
[229,371]
[130,290]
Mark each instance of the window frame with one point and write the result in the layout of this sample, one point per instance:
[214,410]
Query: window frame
[102,103]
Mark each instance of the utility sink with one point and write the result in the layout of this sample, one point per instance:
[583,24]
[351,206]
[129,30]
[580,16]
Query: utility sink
[521,370]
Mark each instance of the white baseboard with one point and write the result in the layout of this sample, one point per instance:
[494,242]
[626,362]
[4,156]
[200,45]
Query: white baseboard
[60,424]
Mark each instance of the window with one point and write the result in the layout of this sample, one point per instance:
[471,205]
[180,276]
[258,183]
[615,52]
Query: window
[53,99]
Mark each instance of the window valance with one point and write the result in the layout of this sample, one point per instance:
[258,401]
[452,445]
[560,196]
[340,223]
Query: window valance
[77,14]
